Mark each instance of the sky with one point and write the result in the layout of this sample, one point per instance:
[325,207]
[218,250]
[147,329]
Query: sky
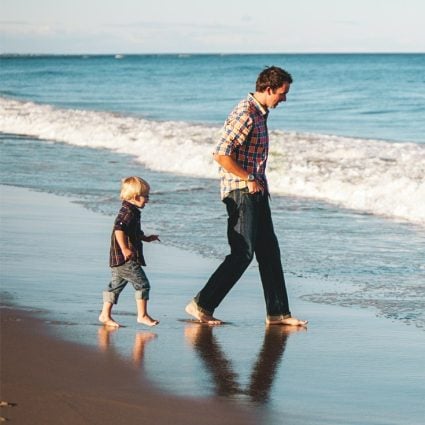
[215,26]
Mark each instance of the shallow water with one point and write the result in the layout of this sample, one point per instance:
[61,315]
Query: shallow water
[370,261]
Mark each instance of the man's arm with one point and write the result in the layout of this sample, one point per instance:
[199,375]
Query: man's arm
[231,166]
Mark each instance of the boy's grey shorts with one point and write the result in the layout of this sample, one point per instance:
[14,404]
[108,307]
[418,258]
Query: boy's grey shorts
[121,275]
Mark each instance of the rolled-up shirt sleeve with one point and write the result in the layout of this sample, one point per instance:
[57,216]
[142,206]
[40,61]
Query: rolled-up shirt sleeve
[235,132]
[123,220]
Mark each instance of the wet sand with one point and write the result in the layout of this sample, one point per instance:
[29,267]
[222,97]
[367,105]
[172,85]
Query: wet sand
[60,366]
[49,381]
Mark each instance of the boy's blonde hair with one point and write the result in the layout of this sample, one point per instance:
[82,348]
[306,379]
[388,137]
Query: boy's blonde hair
[133,186]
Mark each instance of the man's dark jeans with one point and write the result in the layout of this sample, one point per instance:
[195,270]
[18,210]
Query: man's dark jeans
[249,231]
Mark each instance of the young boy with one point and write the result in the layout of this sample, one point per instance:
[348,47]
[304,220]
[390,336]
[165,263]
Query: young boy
[126,253]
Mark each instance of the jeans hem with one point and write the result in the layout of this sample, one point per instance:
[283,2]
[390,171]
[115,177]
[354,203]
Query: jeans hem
[278,317]
[142,295]
[201,309]
[110,297]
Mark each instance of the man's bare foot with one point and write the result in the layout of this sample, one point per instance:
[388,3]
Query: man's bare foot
[194,310]
[108,321]
[282,320]
[147,320]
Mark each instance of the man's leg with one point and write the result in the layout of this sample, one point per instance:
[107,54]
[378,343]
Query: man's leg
[241,232]
[268,255]
[267,252]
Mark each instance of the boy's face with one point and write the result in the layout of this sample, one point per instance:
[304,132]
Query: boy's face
[140,200]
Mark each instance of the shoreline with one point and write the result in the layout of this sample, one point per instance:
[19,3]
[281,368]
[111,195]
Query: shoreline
[348,367]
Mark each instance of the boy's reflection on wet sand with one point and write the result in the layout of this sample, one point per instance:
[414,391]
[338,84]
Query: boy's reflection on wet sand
[141,339]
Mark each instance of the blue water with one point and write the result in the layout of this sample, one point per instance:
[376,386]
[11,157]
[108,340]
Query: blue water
[360,95]
[354,215]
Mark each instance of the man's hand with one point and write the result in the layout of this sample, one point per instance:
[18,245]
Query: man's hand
[230,165]
[255,186]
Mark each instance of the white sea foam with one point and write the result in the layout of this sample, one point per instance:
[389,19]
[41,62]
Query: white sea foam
[367,175]
[371,176]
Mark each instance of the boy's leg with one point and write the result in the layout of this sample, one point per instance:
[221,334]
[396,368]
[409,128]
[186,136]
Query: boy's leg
[106,315]
[111,295]
[136,275]
[142,313]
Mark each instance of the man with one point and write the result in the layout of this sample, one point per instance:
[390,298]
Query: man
[242,155]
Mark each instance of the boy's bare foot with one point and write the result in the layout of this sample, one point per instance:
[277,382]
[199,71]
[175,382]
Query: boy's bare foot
[194,310]
[147,320]
[108,321]
[104,336]
[140,341]
[282,320]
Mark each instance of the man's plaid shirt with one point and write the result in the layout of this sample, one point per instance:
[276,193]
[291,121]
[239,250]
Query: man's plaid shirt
[245,138]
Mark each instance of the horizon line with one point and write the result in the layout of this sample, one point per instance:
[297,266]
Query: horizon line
[118,53]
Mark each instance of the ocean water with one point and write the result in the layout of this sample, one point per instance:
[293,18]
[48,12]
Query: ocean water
[346,166]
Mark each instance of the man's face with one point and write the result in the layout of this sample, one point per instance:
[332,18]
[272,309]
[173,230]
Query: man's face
[274,97]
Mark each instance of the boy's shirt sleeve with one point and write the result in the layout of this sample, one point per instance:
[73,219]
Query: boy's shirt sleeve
[123,220]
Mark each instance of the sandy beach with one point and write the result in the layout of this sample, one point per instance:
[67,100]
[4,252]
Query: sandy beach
[60,366]
[47,380]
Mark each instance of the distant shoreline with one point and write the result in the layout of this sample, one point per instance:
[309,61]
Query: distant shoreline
[187,54]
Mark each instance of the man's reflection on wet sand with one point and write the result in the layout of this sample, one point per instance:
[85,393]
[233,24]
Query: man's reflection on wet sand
[141,339]
[202,339]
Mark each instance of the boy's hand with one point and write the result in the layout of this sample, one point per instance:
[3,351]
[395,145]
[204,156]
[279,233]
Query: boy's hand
[151,238]
[127,254]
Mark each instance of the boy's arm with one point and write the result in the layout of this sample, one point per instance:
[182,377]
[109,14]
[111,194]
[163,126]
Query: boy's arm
[122,242]
[150,238]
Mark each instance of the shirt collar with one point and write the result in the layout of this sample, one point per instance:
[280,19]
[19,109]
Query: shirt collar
[259,106]
[130,206]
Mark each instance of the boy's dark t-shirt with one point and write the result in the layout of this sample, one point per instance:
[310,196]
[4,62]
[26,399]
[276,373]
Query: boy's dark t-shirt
[128,220]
